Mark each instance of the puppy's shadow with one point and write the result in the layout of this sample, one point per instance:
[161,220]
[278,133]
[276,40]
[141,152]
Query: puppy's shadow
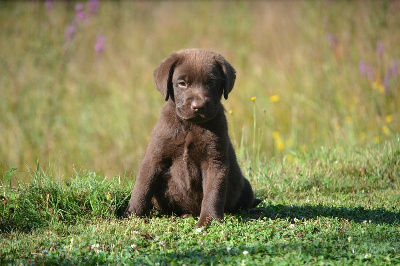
[307,212]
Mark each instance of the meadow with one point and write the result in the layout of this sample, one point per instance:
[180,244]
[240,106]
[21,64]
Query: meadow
[314,118]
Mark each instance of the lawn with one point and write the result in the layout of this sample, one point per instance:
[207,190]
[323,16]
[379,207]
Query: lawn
[314,119]
[336,206]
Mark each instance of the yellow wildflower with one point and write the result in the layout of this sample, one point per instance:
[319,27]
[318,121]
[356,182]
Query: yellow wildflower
[280,144]
[378,86]
[389,118]
[274,98]
[376,139]
[253,99]
[230,112]
[109,196]
[386,130]
[349,120]
[276,135]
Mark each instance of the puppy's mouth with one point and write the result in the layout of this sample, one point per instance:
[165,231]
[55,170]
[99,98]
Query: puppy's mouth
[196,117]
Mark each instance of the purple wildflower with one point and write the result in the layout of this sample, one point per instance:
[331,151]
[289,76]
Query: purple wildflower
[379,48]
[79,7]
[370,73]
[70,32]
[391,72]
[386,81]
[362,68]
[93,6]
[80,13]
[99,46]
[48,4]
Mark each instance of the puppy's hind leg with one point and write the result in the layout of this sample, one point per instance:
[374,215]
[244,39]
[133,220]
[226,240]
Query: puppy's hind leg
[246,200]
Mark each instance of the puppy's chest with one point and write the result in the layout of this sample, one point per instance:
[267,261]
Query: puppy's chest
[193,146]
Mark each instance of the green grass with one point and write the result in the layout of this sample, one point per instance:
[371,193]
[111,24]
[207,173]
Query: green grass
[314,118]
[333,206]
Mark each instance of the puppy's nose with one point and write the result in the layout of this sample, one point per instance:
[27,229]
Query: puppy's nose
[198,104]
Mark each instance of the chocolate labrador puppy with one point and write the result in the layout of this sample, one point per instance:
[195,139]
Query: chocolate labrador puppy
[190,166]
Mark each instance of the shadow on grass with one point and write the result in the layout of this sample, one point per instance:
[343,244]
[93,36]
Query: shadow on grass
[358,214]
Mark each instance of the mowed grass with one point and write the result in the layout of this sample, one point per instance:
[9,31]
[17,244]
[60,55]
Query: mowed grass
[338,206]
[314,118]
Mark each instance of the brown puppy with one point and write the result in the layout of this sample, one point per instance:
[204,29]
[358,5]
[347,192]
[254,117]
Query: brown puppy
[190,166]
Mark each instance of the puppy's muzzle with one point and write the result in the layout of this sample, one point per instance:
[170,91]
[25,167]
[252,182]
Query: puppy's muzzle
[198,105]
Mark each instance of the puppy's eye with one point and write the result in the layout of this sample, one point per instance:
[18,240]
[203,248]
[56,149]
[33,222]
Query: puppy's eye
[182,84]
[212,83]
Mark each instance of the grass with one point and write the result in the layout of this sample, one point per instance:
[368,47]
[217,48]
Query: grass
[314,118]
[338,206]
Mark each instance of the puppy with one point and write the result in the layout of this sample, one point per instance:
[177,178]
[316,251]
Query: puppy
[190,166]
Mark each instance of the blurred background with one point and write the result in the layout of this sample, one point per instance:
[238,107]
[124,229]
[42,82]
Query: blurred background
[76,86]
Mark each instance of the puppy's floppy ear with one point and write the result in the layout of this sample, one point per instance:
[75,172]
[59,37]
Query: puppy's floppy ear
[163,76]
[229,75]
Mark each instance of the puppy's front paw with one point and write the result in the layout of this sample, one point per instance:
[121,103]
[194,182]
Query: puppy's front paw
[127,212]
[133,209]
[206,220]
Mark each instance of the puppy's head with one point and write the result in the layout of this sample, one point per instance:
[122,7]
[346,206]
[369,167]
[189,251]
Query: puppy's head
[195,80]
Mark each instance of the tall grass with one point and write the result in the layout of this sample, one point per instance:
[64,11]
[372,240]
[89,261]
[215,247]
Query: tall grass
[76,87]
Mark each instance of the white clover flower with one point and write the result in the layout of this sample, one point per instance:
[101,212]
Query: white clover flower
[72,243]
[245,252]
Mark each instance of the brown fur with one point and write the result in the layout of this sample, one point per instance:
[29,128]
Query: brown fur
[190,166]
